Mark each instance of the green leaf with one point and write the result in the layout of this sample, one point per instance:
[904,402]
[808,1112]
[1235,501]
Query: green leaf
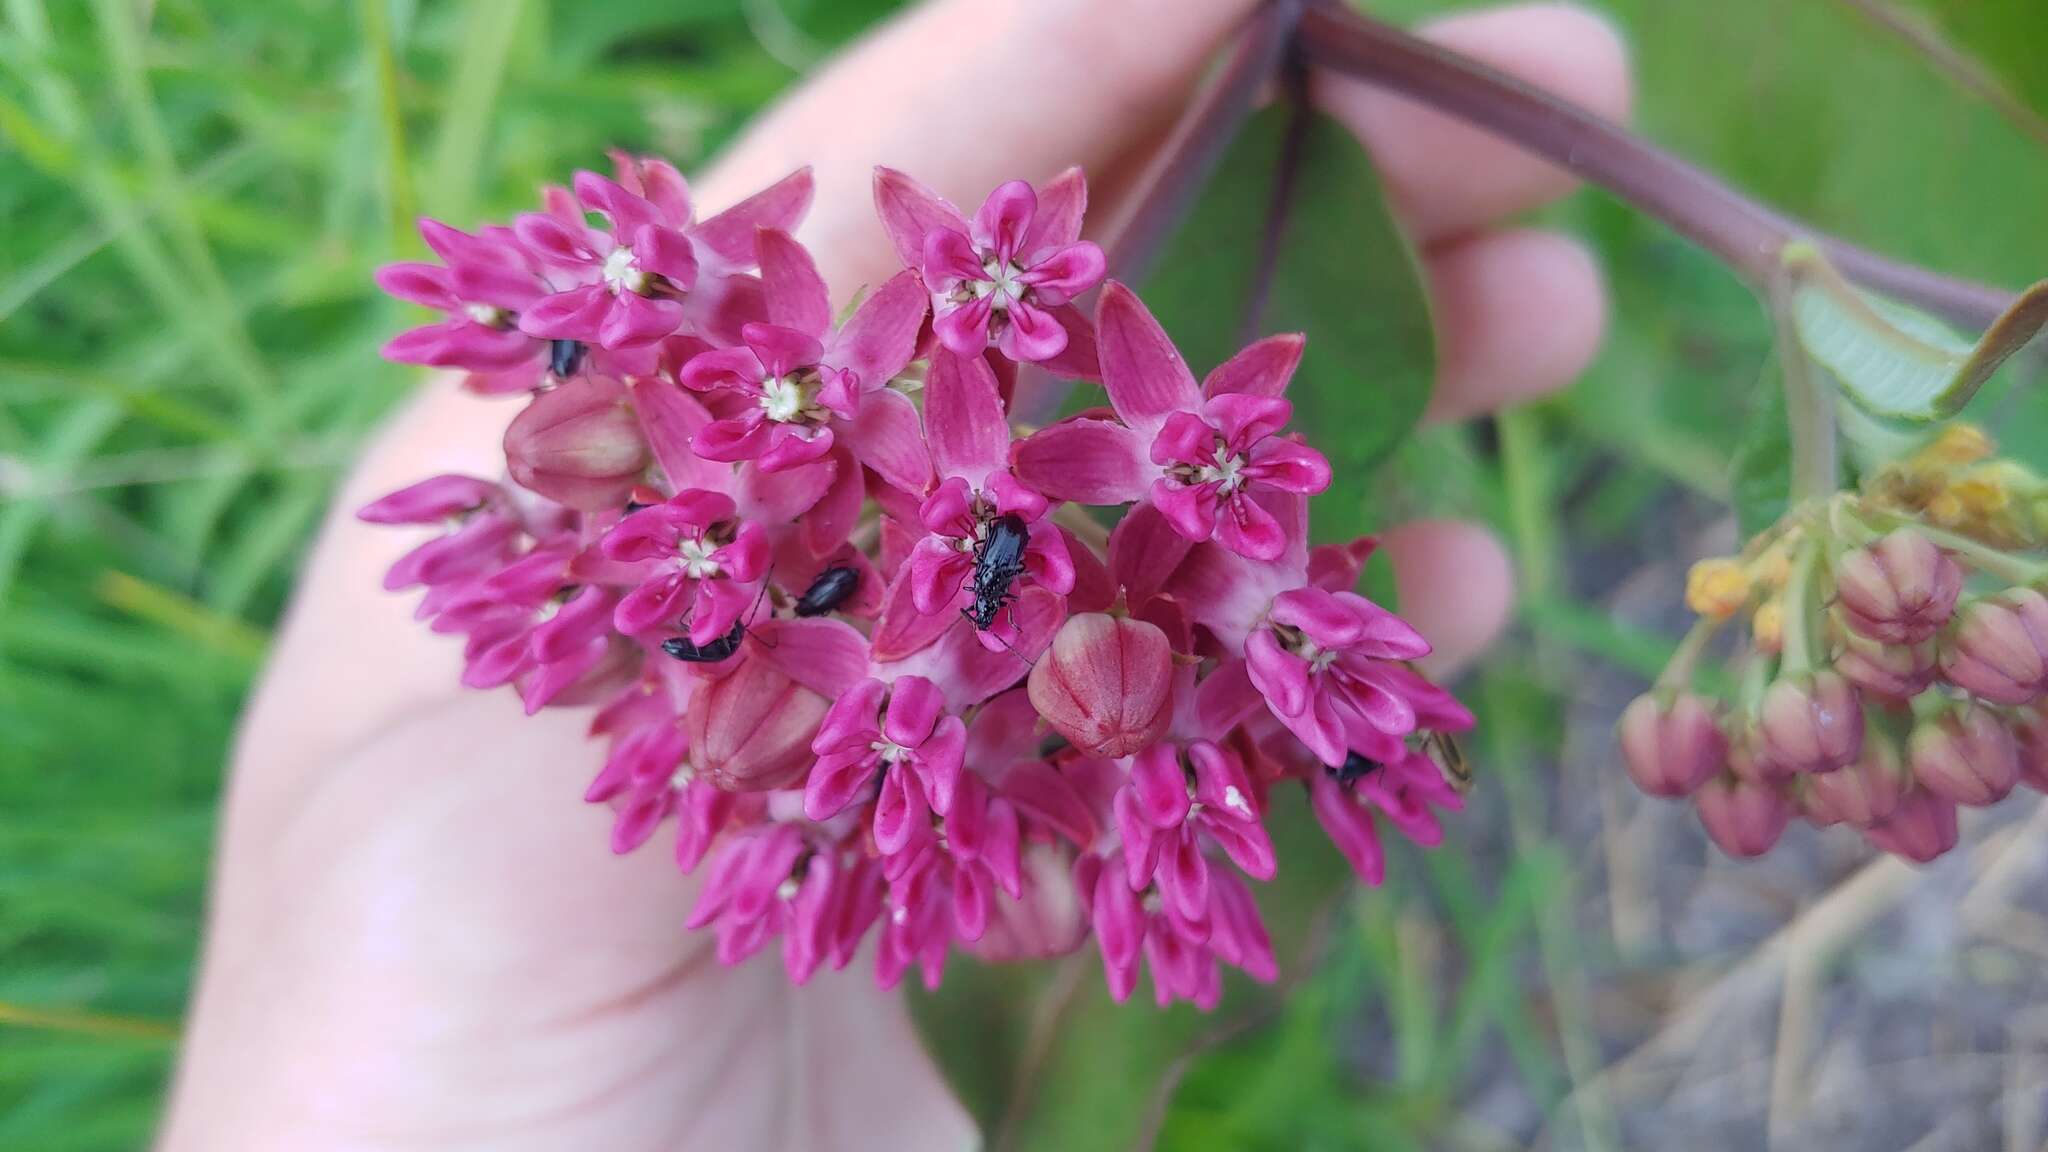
[1893,360]
[1342,273]
[1762,469]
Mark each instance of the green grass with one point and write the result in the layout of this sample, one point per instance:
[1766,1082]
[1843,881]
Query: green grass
[193,207]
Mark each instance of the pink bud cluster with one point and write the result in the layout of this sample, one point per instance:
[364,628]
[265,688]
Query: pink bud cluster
[858,640]
[1925,700]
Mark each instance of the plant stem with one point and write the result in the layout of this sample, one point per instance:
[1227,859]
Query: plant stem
[1798,601]
[1743,233]
[1809,405]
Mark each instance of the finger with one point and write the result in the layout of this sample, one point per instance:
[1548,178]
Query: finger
[1447,178]
[1456,586]
[1518,315]
[965,94]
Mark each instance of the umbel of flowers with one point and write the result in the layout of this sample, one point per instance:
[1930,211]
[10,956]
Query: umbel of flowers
[1894,667]
[884,667]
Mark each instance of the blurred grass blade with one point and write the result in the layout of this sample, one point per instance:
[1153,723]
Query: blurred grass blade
[401,204]
[85,1023]
[1894,360]
[214,631]
[489,28]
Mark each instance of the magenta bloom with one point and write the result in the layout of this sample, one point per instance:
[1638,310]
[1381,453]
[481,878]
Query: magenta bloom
[1183,953]
[1004,280]
[1167,811]
[909,741]
[1200,454]
[528,623]
[696,554]
[800,383]
[770,881]
[1406,790]
[974,857]
[970,443]
[1326,664]
[648,776]
[482,286]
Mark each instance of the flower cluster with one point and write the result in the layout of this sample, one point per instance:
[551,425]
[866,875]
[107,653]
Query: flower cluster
[863,644]
[1895,668]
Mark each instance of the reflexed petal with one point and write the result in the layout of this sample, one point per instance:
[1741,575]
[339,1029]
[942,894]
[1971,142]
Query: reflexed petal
[887,436]
[963,417]
[730,234]
[1159,786]
[1146,378]
[781,350]
[880,338]
[669,418]
[1349,826]
[1144,551]
[915,704]
[1085,461]
[910,212]
[429,501]
[741,438]
[626,211]
[425,284]
[790,447]
[634,320]
[1245,420]
[576,314]
[1262,368]
[666,253]
[1057,222]
[796,292]
[651,605]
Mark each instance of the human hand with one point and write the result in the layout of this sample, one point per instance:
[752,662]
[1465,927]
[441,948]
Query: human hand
[418,939]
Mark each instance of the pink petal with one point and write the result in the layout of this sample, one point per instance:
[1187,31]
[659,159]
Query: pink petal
[796,292]
[887,436]
[651,605]
[1057,222]
[1146,378]
[1246,419]
[1226,698]
[1262,368]
[1159,786]
[941,758]
[909,212]
[425,284]
[1144,552]
[781,205]
[670,417]
[900,811]
[1189,508]
[626,211]
[512,286]
[962,328]
[964,421]
[880,338]
[1005,218]
[658,181]
[836,782]
[429,501]
[555,241]
[915,705]
[635,320]
[1249,530]
[737,369]
[1032,334]
[791,447]
[904,629]
[1080,358]
[1336,567]
[572,315]
[829,521]
[741,438]
[775,497]
[1289,466]
[666,253]
[1066,273]
[782,350]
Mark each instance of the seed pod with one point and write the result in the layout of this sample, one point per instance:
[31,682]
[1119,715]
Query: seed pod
[751,729]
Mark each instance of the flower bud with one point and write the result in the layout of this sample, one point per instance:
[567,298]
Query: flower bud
[1998,650]
[1922,827]
[1767,627]
[1106,684]
[1670,750]
[578,444]
[1047,920]
[1966,758]
[1747,761]
[2030,733]
[1717,587]
[1811,723]
[1891,671]
[1742,817]
[1862,793]
[1899,590]
[751,729]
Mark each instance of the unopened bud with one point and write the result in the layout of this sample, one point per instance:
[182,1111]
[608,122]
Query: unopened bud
[1717,588]
[1106,684]
[1967,758]
[1670,750]
[1811,723]
[1956,445]
[1899,590]
[1892,671]
[1922,827]
[1767,627]
[1998,650]
[1742,817]
[1862,793]
[579,445]
[751,729]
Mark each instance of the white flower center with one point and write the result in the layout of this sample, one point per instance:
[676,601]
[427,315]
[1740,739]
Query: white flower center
[1003,286]
[1226,471]
[782,398]
[1233,799]
[890,751]
[682,777]
[622,272]
[694,552]
[786,891]
[1318,658]
[490,316]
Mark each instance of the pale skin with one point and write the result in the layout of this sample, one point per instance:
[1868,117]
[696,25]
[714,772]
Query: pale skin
[418,938]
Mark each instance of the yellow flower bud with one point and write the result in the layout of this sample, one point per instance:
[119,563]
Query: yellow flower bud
[1717,587]
[1767,627]
[1957,445]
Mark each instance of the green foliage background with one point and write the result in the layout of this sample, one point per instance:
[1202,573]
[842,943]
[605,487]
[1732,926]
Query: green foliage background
[192,208]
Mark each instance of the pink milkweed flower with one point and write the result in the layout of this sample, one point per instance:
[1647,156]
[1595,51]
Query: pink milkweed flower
[1005,279]
[803,385]
[1176,799]
[697,554]
[1406,789]
[634,279]
[1183,954]
[482,286]
[1327,664]
[648,776]
[770,881]
[901,733]
[483,532]
[970,442]
[971,856]
[1200,454]
[532,625]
